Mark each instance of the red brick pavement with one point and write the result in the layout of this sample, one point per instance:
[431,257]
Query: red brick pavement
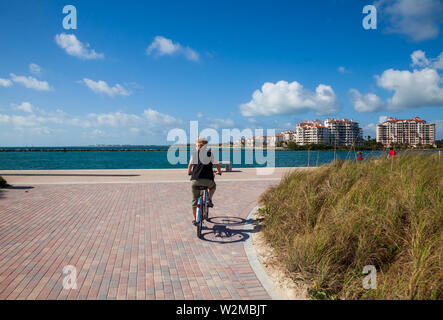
[126,241]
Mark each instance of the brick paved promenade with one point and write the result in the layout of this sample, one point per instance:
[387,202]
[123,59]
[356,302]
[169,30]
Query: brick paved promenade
[127,241]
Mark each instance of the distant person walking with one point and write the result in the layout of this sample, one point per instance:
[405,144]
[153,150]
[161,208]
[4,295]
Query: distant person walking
[392,153]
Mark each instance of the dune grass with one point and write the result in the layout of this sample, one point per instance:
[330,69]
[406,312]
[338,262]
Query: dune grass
[327,224]
[2,182]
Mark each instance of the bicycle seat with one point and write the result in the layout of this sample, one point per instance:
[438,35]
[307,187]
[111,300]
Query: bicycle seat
[201,188]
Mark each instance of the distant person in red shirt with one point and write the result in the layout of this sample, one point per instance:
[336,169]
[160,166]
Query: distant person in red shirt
[392,153]
[360,156]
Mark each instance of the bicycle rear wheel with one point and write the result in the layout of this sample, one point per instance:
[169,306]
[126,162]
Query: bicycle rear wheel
[206,208]
[200,216]
[199,228]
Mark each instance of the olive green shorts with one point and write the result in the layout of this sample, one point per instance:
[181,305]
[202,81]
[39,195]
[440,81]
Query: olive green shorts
[196,193]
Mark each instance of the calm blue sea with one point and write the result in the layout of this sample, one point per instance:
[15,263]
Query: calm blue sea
[153,159]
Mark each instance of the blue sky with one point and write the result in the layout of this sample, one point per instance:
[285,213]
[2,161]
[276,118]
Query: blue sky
[132,70]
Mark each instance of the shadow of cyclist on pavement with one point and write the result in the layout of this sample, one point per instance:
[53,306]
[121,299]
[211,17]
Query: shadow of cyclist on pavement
[229,229]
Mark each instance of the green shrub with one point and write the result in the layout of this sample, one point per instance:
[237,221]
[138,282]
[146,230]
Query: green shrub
[327,224]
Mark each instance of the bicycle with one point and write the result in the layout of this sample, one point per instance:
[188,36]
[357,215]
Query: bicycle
[202,208]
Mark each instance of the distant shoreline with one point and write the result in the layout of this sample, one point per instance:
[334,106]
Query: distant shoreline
[71,150]
[85,149]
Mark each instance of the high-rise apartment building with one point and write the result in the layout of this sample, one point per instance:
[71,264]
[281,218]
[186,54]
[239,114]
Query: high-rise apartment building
[311,132]
[289,135]
[412,132]
[344,132]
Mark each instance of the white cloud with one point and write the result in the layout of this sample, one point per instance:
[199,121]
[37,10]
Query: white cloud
[98,132]
[44,131]
[33,120]
[369,130]
[365,103]
[437,63]
[23,121]
[159,118]
[163,46]
[342,69]
[26,107]
[382,119]
[76,48]
[114,123]
[35,68]
[288,125]
[420,88]
[438,129]
[199,114]
[5,82]
[31,124]
[412,89]
[4,118]
[115,119]
[102,87]
[31,82]
[117,127]
[220,123]
[420,60]
[190,54]
[290,98]
[150,118]
[419,20]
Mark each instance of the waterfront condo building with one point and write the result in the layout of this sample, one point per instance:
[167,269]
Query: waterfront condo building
[289,135]
[412,132]
[312,132]
[344,132]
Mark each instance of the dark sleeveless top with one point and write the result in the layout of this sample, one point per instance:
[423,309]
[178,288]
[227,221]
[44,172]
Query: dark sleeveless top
[201,170]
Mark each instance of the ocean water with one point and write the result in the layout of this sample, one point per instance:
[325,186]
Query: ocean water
[159,160]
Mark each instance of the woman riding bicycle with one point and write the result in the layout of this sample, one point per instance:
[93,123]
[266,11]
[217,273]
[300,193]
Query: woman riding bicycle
[200,167]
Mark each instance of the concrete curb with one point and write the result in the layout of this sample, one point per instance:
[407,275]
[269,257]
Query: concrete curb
[257,267]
